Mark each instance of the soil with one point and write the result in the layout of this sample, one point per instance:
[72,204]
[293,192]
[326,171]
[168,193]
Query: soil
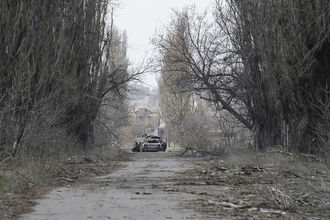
[164,186]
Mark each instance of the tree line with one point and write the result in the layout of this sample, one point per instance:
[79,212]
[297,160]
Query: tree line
[63,73]
[264,63]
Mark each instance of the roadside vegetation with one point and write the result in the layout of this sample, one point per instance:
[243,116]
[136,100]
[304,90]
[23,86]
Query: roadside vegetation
[255,73]
[249,81]
[64,76]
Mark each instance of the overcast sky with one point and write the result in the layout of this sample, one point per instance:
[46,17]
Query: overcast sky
[140,18]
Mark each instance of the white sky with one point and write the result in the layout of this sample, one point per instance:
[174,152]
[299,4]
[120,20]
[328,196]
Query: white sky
[140,18]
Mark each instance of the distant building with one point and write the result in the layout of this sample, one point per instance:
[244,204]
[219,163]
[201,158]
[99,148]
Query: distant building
[144,97]
[146,117]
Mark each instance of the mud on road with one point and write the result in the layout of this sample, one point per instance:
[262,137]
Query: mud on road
[165,186]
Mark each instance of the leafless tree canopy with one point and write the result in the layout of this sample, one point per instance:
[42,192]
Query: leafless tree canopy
[60,65]
[265,62]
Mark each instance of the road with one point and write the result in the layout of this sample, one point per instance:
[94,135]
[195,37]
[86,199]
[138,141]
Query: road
[143,189]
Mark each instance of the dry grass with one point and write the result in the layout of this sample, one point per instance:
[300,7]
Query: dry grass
[24,181]
[268,185]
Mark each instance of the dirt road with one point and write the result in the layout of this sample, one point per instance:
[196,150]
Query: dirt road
[144,189]
[164,186]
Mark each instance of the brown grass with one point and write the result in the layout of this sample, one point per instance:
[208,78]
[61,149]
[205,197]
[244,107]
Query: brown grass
[24,181]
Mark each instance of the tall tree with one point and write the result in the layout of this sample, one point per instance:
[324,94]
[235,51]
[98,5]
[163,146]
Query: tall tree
[264,62]
[59,63]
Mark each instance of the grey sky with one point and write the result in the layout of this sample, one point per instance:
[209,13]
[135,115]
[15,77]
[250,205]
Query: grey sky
[140,18]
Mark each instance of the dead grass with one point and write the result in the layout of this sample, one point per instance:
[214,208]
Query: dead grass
[266,185]
[279,160]
[23,181]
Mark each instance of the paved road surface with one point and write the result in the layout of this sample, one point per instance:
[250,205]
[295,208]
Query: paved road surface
[141,190]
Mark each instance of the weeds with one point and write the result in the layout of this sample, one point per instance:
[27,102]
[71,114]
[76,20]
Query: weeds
[281,199]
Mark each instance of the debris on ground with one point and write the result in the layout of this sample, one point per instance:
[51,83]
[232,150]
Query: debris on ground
[254,191]
[18,199]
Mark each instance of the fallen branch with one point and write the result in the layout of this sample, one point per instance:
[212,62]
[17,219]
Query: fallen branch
[5,160]
[234,206]
[299,155]
[305,178]
[198,150]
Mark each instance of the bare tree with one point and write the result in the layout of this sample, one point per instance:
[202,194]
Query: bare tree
[176,101]
[59,61]
[282,46]
[262,62]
